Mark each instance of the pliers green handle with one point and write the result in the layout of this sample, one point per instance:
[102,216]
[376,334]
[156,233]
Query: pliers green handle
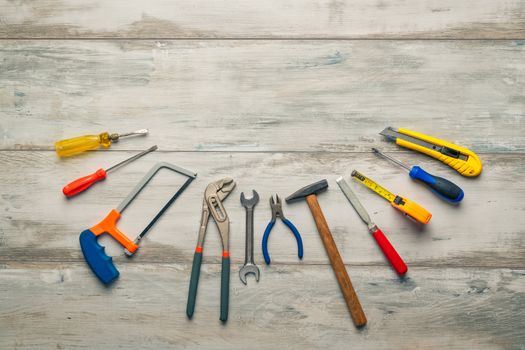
[277,211]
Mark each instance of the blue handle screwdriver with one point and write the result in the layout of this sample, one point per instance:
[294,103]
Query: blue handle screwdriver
[440,186]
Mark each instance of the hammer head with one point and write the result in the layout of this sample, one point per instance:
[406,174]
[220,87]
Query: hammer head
[314,188]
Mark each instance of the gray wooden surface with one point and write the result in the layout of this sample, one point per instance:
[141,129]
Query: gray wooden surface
[276,95]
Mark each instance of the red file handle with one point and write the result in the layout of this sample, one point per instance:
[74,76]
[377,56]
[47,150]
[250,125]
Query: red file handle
[395,260]
[83,183]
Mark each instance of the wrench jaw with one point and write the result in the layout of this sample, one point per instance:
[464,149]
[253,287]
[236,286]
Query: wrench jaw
[246,270]
[251,202]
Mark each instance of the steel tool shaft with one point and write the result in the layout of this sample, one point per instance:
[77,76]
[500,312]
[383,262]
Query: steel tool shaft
[131,159]
[393,160]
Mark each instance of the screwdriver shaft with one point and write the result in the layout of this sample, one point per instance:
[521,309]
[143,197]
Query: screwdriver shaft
[137,132]
[401,164]
[130,159]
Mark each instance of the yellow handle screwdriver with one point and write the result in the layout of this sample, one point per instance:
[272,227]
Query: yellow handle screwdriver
[76,145]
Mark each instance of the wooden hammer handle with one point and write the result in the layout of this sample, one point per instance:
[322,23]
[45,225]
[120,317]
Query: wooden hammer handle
[354,306]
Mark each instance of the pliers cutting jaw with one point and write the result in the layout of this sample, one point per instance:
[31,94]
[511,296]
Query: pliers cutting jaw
[277,212]
[277,208]
[212,205]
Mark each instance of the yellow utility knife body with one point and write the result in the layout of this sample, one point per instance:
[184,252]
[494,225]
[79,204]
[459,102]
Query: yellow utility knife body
[461,159]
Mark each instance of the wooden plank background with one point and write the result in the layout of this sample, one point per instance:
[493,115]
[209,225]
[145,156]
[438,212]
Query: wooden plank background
[468,19]
[276,95]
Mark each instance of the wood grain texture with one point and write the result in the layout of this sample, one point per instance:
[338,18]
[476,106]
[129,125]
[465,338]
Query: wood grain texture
[64,306]
[257,95]
[338,266]
[276,95]
[489,19]
[39,224]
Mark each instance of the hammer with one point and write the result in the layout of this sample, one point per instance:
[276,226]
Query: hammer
[310,193]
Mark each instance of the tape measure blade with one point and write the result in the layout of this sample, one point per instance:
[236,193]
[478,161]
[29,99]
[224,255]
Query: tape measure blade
[371,184]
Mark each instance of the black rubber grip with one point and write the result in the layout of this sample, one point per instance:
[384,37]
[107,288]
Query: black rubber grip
[194,283]
[447,189]
[225,288]
[443,187]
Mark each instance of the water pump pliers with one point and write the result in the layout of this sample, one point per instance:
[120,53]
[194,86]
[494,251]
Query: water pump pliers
[215,193]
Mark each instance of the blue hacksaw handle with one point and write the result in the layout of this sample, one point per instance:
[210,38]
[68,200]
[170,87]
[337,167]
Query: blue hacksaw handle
[101,264]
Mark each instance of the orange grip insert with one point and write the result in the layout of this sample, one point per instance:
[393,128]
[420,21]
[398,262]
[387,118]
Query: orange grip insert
[109,225]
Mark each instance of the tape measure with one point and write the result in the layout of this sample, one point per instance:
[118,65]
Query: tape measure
[406,206]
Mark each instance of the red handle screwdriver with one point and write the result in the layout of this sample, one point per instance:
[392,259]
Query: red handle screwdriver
[85,182]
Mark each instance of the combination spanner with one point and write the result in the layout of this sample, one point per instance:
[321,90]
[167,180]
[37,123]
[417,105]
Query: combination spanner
[249,264]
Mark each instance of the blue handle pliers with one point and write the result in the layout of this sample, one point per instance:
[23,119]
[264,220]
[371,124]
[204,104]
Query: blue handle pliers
[277,211]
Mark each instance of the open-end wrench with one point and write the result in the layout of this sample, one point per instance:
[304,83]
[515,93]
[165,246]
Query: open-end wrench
[249,264]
